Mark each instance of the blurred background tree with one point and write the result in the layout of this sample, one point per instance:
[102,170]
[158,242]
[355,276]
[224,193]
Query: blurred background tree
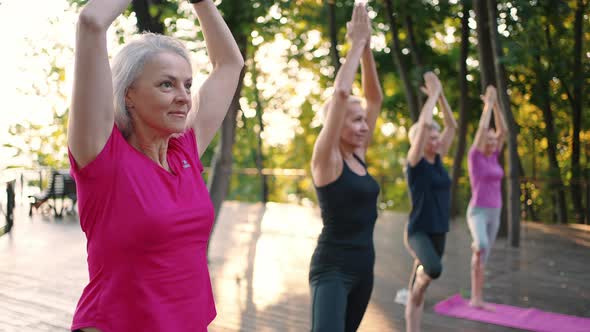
[537,49]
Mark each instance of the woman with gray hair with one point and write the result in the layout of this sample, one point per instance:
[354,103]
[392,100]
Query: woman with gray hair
[143,204]
[341,269]
[429,186]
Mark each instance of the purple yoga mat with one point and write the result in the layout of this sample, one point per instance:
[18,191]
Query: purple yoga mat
[505,315]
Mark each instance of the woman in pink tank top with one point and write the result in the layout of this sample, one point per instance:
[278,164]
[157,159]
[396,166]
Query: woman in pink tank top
[135,139]
[485,175]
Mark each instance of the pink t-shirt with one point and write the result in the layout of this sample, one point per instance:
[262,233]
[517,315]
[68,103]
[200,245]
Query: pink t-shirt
[147,232]
[485,176]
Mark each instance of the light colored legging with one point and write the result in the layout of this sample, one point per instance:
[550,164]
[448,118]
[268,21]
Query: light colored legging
[483,224]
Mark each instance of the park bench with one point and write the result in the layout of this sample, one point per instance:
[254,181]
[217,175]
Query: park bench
[61,186]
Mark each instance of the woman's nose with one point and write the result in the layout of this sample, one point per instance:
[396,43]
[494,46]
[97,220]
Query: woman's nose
[365,126]
[183,96]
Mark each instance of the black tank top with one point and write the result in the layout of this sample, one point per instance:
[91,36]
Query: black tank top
[349,211]
[430,191]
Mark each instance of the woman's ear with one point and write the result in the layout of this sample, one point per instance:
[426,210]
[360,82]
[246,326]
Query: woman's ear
[128,100]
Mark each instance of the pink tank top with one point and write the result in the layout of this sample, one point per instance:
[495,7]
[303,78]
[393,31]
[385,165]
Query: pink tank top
[147,232]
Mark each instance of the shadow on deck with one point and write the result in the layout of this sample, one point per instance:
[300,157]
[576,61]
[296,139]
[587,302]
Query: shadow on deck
[259,258]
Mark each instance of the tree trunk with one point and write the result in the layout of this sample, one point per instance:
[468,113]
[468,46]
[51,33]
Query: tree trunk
[555,171]
[413,44]
[331,6]
[555,182]
[221,166]
[578,73]
[463,107]
[484,46]
[401,67]
[259,153]
[145,21]
[513,208]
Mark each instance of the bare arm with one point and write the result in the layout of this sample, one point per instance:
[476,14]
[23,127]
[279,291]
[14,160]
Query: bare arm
[216,93]
[326,159]
[484,120]
[92,114]
[448,133]
[433,90]
[372,91]
[501,127]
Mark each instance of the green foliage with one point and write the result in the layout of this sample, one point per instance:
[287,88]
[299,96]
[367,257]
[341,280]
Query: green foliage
[290,86]
[45,145]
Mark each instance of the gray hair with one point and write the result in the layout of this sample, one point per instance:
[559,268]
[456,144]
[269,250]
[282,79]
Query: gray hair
[128,65]
[414,129]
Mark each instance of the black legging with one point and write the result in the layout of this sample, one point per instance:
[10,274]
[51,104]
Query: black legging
[427,249]
[339,300]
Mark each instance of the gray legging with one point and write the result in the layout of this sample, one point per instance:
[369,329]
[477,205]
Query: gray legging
[427,249]
[483,224]
[339,300]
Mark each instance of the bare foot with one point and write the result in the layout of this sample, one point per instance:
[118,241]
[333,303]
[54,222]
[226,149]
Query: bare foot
[482,305]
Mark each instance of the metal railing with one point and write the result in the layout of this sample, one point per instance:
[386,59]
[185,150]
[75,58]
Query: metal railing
[295,186]
[8,204]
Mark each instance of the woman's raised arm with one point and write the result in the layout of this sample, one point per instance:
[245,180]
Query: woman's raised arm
[92,114]
[326,156]
[217,92]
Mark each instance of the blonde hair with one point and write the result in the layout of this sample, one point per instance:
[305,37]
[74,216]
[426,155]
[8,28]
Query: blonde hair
[128,65]
[352,99]
[414,130]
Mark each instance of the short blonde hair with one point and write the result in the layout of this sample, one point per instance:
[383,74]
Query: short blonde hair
[414,130]
[352,99]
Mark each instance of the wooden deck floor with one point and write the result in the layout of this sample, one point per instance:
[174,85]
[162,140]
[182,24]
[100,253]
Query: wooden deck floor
[259,262]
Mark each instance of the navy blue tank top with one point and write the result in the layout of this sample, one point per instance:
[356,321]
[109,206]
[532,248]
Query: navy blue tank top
[430,191]
[349,211]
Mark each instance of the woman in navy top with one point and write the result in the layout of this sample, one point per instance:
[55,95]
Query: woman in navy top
[429,186]
[341,269]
